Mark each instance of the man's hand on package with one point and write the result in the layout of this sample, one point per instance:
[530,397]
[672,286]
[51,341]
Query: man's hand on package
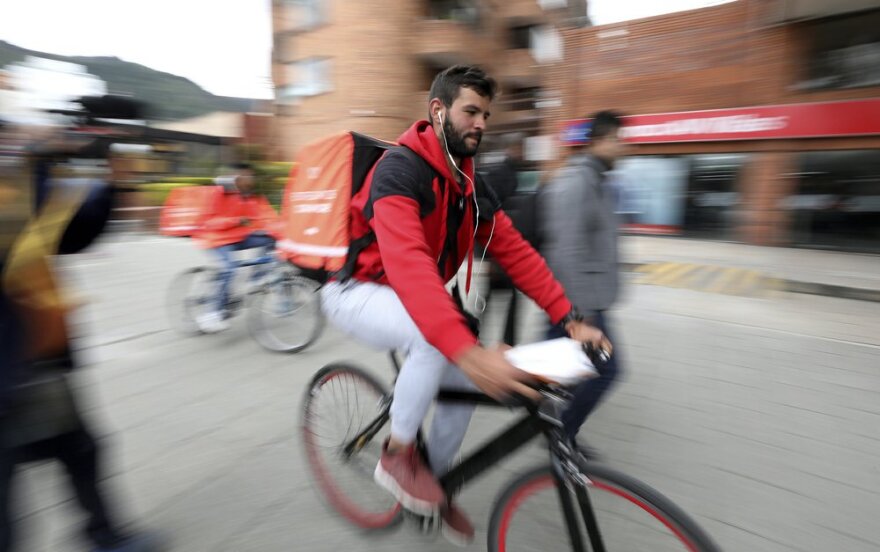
[490,370]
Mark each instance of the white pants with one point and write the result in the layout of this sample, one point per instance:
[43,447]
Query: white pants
[373,314]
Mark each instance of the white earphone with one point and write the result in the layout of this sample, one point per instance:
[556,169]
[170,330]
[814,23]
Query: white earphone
[479,302]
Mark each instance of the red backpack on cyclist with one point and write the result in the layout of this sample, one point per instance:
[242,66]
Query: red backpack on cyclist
[186,208]
[317,199]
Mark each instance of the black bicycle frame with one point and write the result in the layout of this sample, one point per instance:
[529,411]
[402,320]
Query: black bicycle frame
[503,444]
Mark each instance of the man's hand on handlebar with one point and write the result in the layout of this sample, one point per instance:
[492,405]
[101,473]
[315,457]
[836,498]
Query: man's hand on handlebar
[597,346]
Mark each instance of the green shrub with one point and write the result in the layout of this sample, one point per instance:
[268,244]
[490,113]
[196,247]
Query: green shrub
[157,192]
[191,180]
[270,178]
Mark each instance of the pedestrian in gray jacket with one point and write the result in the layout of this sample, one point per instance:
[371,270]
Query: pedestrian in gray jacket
[579,234]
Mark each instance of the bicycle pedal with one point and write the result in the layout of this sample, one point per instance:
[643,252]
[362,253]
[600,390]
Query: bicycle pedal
[428,526]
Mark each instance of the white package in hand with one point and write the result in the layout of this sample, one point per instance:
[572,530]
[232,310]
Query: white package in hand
[558,360]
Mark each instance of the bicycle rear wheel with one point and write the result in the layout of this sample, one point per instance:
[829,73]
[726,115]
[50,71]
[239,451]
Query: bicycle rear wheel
[191,294]
[285,315]
[630,515]
[341,402]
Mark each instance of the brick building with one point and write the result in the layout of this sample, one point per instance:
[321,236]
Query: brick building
[709,158]
[367,66]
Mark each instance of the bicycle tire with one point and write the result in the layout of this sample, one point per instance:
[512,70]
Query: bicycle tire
[373,508]
[187,295]
[649,516]
[285,316]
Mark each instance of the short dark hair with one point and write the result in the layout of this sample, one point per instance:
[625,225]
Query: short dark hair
[448,83]
[604,123]
[243,166]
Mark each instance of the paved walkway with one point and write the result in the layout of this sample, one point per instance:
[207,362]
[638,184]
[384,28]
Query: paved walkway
[757,415]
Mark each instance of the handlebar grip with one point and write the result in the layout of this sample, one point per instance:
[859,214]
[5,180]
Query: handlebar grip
[596,355]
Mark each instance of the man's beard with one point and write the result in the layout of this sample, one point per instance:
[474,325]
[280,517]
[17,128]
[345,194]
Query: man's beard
[455,142]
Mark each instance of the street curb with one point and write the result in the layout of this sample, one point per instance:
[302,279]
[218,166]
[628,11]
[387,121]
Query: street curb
[797,286]
[830,290]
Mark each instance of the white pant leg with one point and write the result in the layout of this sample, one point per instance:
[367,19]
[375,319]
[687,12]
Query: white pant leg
[450,422]
[372,313]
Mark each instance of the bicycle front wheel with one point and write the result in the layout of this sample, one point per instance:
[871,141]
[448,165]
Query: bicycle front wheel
[191,294]
[629,515]
[341,403]
[285,315]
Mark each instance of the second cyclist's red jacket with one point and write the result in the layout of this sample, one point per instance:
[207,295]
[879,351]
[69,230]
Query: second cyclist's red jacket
[224,225]
[407,205]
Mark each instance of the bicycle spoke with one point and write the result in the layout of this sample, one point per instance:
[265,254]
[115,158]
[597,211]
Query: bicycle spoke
[346,477]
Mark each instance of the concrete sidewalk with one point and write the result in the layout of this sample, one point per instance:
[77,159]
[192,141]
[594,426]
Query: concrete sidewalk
[707,265]
[756,416]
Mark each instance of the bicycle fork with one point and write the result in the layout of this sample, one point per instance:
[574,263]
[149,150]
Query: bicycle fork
[570,481]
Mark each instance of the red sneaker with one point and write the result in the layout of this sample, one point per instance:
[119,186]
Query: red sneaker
[457,527]
[406,476]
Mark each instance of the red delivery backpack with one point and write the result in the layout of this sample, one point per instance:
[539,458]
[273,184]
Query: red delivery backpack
[186,208]
[315,211]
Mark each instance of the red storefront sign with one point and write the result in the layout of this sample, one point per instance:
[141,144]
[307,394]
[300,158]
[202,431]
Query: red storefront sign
[806,120]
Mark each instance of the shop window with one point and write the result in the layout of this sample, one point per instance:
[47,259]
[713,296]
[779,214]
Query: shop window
[837,200]
[650,193]
[712,199]
[690,195]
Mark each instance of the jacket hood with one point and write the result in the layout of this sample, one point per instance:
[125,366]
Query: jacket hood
[421,139]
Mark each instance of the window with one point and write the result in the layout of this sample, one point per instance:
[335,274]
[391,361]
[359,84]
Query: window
[520,37]
[691,195]
[552,4]
[305,14]
[837,201]
[650,192]
[466,11]
[712,199]
[307,77]
[546,44]
[843,52]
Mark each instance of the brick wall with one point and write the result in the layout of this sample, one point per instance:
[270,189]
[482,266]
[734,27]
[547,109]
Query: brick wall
[384,54]
[719,57]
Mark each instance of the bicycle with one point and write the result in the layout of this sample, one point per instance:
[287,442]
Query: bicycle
[564,504]
[284,313]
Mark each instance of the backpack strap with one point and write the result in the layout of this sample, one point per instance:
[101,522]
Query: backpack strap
[357,245]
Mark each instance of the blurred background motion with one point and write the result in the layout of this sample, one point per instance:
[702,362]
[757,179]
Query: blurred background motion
[749,202]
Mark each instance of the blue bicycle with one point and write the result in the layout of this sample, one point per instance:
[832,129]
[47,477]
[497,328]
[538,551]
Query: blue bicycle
[284,313]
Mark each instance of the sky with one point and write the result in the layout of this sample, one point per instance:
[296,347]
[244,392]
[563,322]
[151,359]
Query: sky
[603,12]
[222,45]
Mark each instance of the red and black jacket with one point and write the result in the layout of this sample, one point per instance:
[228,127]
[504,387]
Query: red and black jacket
[408,205]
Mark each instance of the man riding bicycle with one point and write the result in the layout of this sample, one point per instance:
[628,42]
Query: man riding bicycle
[421,204]
[239,220]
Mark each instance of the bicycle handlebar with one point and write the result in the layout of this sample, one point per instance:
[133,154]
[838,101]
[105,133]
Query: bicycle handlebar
[596,355]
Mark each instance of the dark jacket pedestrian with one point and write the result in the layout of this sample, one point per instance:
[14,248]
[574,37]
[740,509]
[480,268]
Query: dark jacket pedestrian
[579,239]
[580,232]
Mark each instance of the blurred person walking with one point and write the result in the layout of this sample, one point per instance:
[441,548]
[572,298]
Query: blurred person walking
[39,411]
[579,239]
[503,178]
[240,219]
